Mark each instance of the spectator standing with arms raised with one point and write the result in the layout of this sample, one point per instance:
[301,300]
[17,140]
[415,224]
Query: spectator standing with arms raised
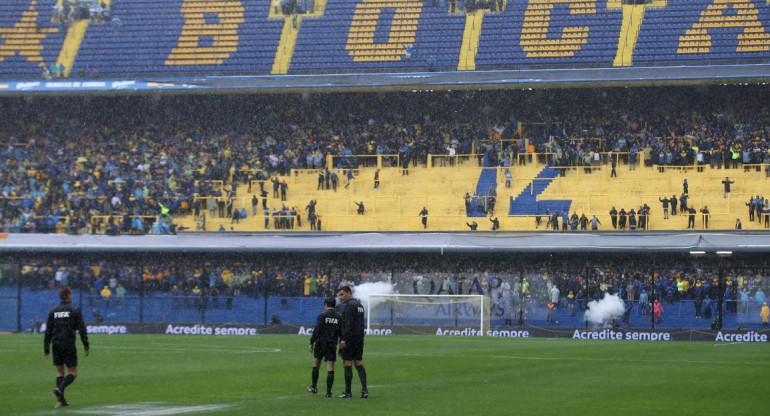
[665,202]
[63,322]
[727,182]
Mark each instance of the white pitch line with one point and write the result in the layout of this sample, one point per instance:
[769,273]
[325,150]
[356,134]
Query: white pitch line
[140,409]
[619,360]
[177,349]
[144,409]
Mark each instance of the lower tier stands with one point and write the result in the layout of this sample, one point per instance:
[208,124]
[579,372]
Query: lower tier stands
[243,310]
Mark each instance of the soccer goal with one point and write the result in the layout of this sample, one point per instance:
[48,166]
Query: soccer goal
[428,313]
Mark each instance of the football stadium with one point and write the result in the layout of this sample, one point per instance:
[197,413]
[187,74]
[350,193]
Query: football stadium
[204,174]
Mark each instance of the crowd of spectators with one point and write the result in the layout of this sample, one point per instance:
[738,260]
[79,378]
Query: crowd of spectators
[566,280]
[68,159]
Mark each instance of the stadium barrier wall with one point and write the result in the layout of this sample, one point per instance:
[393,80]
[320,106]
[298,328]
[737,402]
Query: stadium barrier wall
[26,313]
[597,334]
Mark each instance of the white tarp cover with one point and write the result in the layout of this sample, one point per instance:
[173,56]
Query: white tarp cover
[390,242]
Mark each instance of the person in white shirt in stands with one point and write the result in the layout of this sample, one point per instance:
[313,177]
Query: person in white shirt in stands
[452,152]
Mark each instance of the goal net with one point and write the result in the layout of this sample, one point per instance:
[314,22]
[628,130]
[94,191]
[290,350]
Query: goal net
[427,314]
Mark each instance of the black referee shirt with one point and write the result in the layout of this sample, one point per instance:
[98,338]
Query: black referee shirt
[63,321]
[327,328]
[353,323]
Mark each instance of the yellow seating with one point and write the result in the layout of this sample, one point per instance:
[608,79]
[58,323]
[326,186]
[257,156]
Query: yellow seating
[395,205]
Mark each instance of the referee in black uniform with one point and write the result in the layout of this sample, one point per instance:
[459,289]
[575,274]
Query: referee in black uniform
[63,321]
[323,344]
[352,341]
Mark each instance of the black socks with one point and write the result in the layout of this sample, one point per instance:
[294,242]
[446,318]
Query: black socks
[348,378]
[68,379]
[329,381]
[314,377]
[362,376]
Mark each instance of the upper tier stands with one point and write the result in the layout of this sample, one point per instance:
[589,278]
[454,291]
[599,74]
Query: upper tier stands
[723,31]
[29,39]
[180,37]
[372,35]
[209,37]
[550,33]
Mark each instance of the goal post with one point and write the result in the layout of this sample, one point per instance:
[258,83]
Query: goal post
[426,314]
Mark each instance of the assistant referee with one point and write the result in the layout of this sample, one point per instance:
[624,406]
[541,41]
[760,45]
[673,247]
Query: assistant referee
[64,321]
[323,345]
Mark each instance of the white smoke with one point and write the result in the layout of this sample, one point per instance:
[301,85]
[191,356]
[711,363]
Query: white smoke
[362,291]
[602,311]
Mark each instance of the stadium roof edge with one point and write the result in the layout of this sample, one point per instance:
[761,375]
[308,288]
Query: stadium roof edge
[413,81]
[330,242]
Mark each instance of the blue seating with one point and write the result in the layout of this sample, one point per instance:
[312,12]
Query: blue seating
[662,29]
[50,36]
[437,33]
[151,30]
[511,26]
[151,33]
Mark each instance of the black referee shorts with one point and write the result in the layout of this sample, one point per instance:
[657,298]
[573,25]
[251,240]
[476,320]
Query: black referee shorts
[65,355]
[325,352]
[354,350]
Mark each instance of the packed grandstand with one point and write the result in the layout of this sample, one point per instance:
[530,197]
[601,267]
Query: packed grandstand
[241,163]
[664,156]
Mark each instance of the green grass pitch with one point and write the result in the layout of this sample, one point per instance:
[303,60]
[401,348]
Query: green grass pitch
[408,375]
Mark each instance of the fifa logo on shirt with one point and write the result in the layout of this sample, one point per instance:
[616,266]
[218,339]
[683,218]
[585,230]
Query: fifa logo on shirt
[61,314]
[332,321]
